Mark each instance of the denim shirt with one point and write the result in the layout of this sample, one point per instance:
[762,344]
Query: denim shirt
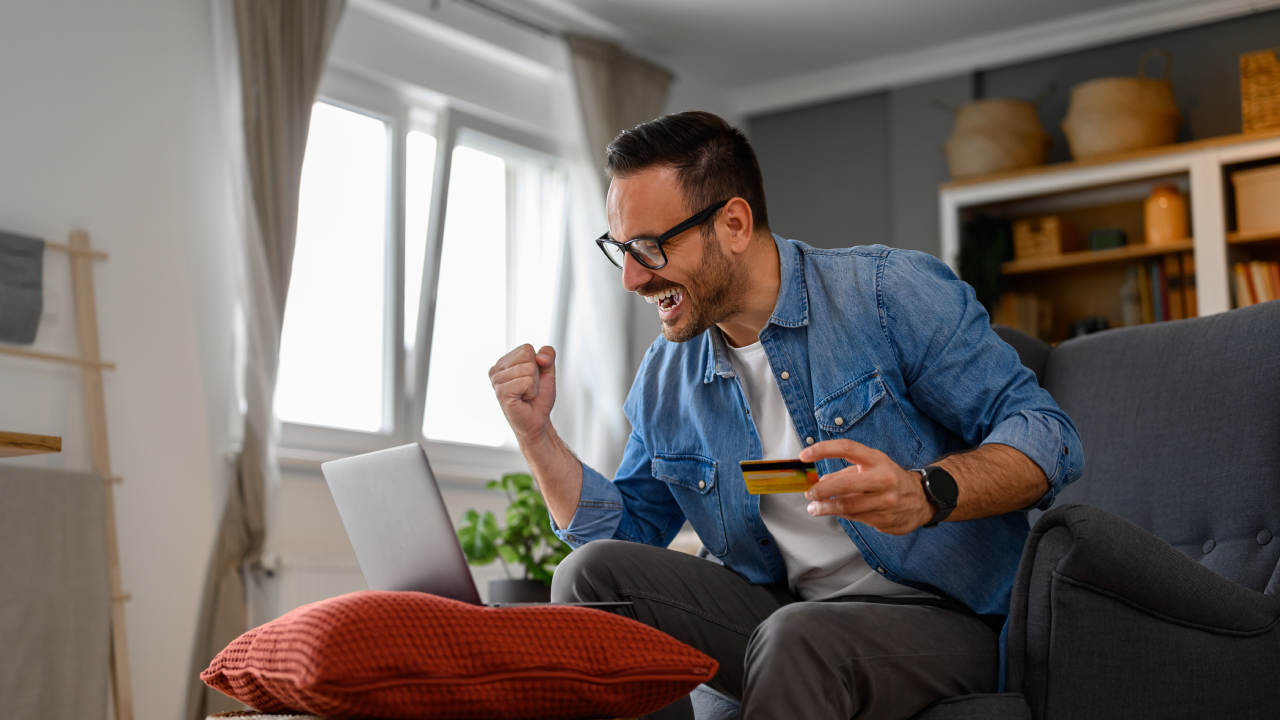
[882,346]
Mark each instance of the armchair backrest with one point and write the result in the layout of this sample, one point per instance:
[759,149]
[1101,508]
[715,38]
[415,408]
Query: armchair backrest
[1180,424]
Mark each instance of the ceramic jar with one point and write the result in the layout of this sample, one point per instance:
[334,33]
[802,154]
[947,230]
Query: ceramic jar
[1165,216]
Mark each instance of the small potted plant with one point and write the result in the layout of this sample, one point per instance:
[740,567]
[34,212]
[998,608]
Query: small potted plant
[526,541]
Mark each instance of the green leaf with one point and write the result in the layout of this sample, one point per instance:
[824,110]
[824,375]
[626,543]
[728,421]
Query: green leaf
[489,527]
[538,573]
[522,482]
[509,554]
[478,550]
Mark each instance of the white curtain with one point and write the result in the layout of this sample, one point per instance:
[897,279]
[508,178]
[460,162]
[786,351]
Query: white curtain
[281,50]
[611,91]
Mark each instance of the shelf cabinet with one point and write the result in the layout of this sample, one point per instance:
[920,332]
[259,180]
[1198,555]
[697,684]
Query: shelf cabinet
[1109,192]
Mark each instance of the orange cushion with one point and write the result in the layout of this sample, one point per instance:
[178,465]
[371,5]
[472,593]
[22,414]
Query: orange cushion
[412,656]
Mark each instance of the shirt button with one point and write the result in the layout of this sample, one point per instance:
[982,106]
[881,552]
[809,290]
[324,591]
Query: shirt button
[764,541]
[702,484]
[880,570]
[1065,451]
[839,421]
[786,375]
[808,441]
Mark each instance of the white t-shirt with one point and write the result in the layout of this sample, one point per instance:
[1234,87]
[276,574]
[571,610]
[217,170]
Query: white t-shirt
[822,562]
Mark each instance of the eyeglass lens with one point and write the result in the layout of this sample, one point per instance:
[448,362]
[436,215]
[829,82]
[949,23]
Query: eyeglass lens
[615,253]
[649,250]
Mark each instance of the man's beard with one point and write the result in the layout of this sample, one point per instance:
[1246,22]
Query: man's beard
[716,291]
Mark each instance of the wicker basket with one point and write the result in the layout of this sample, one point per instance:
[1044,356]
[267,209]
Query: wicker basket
[996,135]
[1115,115]
[1260,90]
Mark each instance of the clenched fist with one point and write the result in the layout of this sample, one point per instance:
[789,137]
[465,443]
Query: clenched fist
[525,383]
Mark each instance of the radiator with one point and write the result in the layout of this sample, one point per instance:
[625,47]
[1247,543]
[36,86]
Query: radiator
[294,579]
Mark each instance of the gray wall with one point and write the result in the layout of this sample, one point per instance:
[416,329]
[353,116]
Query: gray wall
[825,170]
[866,169]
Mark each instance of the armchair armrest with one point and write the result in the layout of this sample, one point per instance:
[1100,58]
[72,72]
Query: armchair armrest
[1113,556]
[1119,623]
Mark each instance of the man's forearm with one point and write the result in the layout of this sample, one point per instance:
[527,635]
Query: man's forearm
[557,472]
[993,479]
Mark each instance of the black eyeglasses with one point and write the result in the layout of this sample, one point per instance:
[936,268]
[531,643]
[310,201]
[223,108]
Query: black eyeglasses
[648,251]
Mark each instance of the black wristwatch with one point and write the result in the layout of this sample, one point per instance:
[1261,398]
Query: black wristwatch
[940,490]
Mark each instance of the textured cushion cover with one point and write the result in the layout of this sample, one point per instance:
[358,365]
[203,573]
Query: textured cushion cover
[410,655]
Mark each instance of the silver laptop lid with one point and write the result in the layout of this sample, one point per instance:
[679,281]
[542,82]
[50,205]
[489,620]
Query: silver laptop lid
[398,524]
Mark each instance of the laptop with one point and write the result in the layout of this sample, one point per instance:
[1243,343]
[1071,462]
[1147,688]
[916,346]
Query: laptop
[400,528]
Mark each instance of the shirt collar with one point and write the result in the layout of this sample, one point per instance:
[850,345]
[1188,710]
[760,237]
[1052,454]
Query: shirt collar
[791,310]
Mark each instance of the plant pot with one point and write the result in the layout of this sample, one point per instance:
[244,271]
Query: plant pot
[519,591]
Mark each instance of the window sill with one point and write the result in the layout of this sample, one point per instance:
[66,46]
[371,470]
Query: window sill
[451,462]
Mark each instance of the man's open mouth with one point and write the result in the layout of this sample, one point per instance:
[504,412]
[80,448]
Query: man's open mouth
[666,299]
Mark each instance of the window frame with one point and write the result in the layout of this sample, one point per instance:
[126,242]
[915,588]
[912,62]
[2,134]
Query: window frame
[405,386]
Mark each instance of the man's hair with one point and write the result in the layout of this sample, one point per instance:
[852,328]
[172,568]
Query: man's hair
[712,159]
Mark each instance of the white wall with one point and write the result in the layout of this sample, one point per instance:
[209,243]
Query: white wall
[111,124]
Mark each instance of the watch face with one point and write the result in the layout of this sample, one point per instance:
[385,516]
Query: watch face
[942,487]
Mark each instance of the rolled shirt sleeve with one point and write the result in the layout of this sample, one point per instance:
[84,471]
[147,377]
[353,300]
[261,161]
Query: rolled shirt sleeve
[634,506]
[599,511]
[964,376]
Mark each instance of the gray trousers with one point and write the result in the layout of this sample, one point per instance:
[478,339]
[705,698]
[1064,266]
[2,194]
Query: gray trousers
[783,658]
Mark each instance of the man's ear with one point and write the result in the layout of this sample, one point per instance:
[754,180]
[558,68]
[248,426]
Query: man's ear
[739,225]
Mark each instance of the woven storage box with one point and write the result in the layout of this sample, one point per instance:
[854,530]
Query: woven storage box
[1257,199]
[1044,237]
[1260,90]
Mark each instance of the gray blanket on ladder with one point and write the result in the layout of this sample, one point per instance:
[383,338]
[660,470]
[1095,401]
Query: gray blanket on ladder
[55,595]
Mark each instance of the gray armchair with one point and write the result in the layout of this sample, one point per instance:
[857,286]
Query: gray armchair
[1152,588]
[1157,597]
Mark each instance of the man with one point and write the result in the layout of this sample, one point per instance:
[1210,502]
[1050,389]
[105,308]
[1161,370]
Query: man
[881,589]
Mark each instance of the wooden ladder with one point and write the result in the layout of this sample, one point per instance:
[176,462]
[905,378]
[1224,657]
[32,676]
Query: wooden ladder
[91,367]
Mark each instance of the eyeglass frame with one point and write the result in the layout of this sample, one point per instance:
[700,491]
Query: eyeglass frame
[694,221]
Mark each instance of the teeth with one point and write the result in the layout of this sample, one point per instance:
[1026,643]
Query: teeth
[658,296]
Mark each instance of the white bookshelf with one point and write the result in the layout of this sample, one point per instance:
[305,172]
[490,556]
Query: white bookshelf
[1199,168]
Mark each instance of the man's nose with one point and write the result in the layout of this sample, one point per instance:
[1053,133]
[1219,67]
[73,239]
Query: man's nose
[634,274]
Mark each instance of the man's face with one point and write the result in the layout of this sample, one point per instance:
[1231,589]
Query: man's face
[701,284]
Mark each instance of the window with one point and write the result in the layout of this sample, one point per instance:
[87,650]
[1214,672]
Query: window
[332,359]
[496,289]
[379,347]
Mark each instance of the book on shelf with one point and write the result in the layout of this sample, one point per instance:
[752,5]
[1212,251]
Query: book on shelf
[1159,290]
[1256,281]
[1144,294]
[1131,298]
[1173,285]
[1159,300]
[1190,309]
[1024,312]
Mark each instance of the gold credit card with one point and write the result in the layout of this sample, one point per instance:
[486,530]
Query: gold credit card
[778,476]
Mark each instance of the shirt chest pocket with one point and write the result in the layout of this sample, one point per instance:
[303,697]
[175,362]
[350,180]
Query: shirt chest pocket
[692,479]
[865,411]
